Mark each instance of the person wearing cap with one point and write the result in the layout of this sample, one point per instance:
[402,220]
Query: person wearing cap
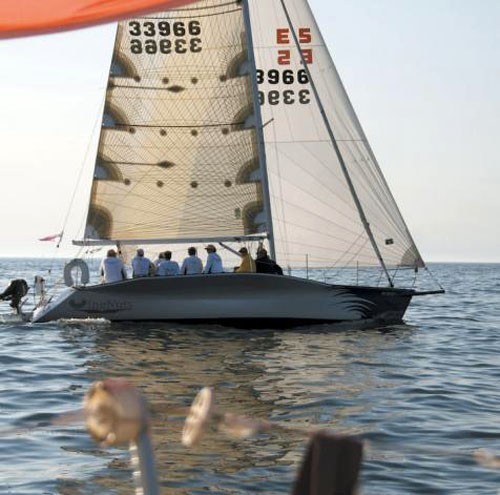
[141,266]
[247,264]
[214,262]
[191,265]
[112,268]
[167,266]
[264,264]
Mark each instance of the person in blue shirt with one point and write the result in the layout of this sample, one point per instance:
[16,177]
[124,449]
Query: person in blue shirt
[214,262]
[167,266]
[141,266]
[112,268]
[191,265]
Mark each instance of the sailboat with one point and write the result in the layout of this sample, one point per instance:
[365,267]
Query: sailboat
[227,122]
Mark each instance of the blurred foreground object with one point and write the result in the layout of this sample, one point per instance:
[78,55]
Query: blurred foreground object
[330,466]
[203,414]
[331,463]
[486,458]
[199,417]
[116,414]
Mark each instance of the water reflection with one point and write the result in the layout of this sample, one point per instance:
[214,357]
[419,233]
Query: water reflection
[308,378]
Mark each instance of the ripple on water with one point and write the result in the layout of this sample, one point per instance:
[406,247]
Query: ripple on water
[424,394]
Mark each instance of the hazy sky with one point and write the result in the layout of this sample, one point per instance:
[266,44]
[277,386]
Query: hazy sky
[423,76]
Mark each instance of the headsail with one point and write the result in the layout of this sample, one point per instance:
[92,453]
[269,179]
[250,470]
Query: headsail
[178,156]
[314,213]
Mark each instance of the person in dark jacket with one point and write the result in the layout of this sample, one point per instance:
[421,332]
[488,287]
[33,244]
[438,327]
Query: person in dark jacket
[14,293]
[264,264]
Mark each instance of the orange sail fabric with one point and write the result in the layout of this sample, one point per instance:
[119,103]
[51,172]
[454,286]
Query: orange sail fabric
[29,17]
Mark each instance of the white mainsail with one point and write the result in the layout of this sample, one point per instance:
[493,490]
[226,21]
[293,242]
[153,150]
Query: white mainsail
[178,157]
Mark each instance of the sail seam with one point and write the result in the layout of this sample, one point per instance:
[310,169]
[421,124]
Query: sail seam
[146,126]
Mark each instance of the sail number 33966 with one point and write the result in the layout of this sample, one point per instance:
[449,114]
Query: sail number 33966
[174,37]
[285,77]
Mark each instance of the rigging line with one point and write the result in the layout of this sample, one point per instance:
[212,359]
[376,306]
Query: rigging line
[330,206]
[376,202]
[317,158]
[82,166]
[378,195]
[302,245]
[326,235]
[369,173]
[315,231]
[380,201]
[136,184]
[314,176]
[353,243]
[333,255]
[331,261]
[433,277]
[355,255]
[385,187]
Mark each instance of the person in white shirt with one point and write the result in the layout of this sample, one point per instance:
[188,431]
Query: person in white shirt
[141,266]
[192,264]
[214,262]
[167,266]
[112,268]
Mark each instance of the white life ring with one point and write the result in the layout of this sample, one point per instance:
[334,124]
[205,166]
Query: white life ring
[81,266]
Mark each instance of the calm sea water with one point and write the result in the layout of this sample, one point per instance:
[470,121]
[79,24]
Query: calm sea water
[425,394]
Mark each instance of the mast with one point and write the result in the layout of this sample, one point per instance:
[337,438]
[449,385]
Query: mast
[259,129]
[331,135]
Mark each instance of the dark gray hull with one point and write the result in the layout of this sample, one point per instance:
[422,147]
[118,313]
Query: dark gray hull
[240,299]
